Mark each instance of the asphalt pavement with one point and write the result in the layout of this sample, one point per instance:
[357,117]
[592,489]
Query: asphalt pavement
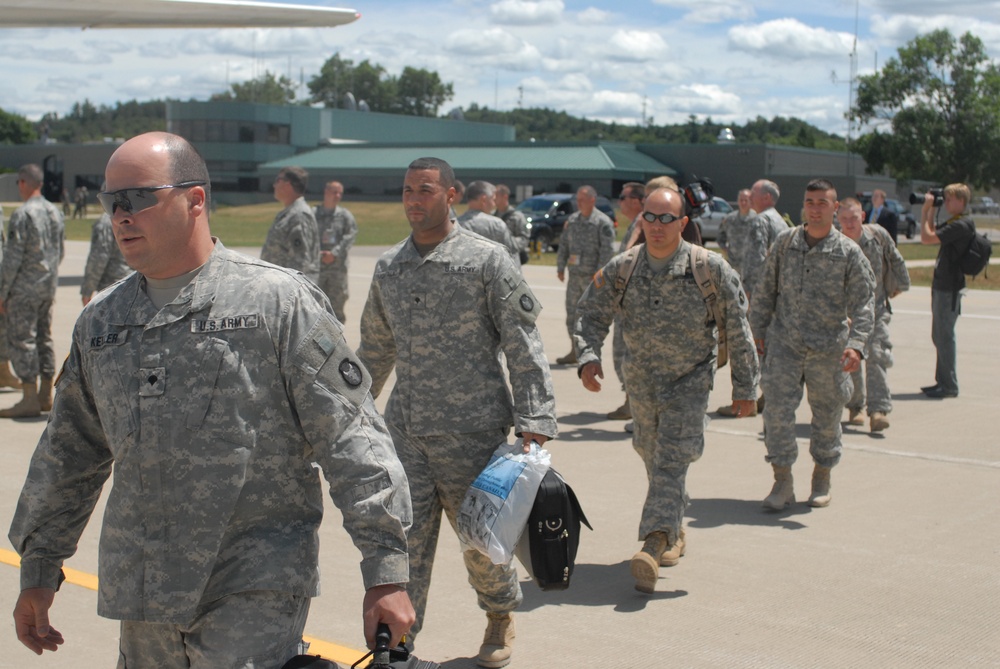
[901,570]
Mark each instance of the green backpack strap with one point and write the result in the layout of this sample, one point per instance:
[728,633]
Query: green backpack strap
[710,293]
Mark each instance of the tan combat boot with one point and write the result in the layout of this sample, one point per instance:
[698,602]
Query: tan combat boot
[646,563]
[496,649]
[854,417]
[28,407]
[727,410]
[820,495]
[45,393]
[671,557]
[879,421]
[7,379]
[624,412]
[783,492]
[568,359]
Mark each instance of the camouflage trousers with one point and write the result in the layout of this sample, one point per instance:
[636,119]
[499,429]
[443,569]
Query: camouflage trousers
[29,337]
[333,282]
[440,469]
[871,386]
[247,630]
[668,434]
[576,283]
[618,350]
[784,373]
[4,348]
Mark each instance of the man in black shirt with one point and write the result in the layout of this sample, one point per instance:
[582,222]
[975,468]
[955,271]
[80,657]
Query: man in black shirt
[954,236]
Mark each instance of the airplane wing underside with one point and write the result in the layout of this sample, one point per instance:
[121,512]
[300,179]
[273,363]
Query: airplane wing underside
[168,14]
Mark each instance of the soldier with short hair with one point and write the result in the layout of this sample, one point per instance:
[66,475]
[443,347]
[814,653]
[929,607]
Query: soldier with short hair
[293,239]
[815,302]
[586,245]
[337,232]
[516,221]
[209,384]
[735,230]
[672,348]
[871,386]
[478,217]
[29,276]
[444,304]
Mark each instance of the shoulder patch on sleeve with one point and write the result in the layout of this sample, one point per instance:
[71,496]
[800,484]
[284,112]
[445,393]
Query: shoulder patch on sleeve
[523,302]
[599,279]
[324,353]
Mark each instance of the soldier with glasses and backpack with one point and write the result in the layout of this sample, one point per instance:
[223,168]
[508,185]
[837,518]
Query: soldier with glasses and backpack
[673,324]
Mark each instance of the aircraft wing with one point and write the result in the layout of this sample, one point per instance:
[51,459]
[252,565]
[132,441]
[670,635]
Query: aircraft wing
[168,14]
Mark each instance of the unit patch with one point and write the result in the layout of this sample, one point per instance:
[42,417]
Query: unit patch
[527,303]
[351,373]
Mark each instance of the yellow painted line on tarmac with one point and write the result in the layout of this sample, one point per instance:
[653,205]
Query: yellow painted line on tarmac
[326,649]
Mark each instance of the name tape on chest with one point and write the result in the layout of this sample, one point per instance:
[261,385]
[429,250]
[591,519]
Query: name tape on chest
[461,269]
[109,339]
[202,326]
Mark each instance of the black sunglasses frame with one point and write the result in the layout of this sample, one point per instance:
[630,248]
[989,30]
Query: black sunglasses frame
[650,217]
[120,199]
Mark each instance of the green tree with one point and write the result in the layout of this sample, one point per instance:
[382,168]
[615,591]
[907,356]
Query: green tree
[265,89]
[333,80]
[934,112]
[15,129]
[421,92]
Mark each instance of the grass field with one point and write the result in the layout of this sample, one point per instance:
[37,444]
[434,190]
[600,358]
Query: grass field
[383,224]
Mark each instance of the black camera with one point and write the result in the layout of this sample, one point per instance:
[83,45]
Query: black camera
[697,194]
[938,193]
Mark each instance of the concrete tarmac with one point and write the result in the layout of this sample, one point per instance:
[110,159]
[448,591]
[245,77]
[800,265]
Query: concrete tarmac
[901,570]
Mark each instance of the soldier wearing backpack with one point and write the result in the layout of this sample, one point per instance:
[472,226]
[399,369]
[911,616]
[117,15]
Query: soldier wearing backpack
[954,235]
[673,329]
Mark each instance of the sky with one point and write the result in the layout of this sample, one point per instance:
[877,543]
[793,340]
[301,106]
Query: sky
[626,61]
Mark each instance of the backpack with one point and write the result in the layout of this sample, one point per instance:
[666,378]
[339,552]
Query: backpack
[977,255]
[548,546]
[706,283]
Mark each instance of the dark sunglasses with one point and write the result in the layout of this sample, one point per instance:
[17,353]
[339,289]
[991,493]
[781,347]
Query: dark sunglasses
[664,219]
[134,200]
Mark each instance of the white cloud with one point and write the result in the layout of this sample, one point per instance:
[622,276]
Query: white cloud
[789,39]
[637,45]
[711,11]
[592,16]
[526,12]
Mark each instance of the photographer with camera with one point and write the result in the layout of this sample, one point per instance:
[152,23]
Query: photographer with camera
[954,236]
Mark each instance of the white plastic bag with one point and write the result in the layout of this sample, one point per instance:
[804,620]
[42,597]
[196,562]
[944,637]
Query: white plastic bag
[496,507]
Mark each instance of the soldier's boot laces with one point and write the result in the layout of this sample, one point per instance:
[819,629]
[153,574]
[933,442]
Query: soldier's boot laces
[497,642]
[671,557]
[646,563]
[624,412]
[783,491]
[28,407]
[45,393]
[7,379]
[820,495]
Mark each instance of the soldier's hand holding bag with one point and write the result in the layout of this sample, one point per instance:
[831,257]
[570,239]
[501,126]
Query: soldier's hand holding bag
[497,505]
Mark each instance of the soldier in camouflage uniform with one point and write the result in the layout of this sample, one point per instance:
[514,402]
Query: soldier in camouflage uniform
[337,232]
[734,231]
[29,275]
[7,379]
[815,301]
[443,305]
[210,383]
[670,365]
[477,218]
[105,264]
[871,387]
[586,245]
[293,240]
[516,221]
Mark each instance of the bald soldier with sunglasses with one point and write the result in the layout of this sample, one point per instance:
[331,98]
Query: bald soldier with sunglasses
[669,367]
[211,384]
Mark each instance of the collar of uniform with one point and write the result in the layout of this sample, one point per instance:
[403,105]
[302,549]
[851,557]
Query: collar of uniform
[409,251]
[679,264]
[825,245]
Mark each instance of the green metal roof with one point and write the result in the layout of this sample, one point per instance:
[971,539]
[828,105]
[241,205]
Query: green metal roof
[615,161]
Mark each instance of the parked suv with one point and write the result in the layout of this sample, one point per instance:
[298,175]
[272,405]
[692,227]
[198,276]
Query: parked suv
[907,223]
[710,222]
[547,214]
